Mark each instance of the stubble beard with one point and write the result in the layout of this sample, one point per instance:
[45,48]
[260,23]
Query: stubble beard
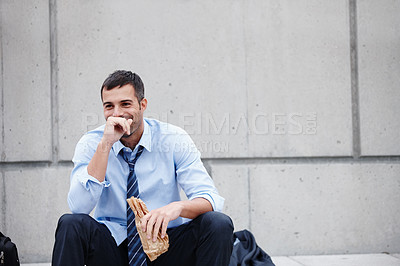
[132,129]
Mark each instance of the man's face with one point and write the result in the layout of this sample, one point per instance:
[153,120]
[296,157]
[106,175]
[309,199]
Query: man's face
[122,102]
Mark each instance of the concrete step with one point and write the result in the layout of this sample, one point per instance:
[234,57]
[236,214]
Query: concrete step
[323,260]
[339,260]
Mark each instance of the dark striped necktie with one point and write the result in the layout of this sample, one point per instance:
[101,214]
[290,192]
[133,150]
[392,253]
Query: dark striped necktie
[136,255]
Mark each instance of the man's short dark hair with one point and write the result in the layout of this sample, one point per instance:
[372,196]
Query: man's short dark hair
[122,77]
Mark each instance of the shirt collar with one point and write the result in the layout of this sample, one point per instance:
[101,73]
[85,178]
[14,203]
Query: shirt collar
[144,141]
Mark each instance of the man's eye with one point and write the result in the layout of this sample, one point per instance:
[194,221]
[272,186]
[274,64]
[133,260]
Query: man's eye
[126,104]
[108,106]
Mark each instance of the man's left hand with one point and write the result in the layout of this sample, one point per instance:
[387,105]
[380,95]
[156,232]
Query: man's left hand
[159,218]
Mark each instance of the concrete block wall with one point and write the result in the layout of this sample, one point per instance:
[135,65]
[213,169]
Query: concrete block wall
[293,105]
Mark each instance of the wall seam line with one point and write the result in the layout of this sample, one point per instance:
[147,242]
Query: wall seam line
[54,81]
[245,73]
[2,155]
[355,104]
[4,201]
[240,161]
[303,160]
[249,197]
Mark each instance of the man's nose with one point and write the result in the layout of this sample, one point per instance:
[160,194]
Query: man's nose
[117,112]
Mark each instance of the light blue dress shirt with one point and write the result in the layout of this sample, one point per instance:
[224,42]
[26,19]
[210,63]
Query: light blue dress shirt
[170,161]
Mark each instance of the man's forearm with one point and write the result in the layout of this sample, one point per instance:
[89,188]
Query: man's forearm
[193,208]
[158,219]
[98,164]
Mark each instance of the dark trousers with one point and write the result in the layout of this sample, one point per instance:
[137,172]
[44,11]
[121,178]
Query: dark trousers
[206,240]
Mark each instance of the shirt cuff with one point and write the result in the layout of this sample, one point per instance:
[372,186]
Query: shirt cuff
[84,192]
[217,202]
[89,182]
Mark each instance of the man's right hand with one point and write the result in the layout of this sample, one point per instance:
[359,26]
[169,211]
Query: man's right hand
[115,128]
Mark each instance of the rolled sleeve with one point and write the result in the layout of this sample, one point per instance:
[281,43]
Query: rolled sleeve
[217,202]
[89,182]
[85,190]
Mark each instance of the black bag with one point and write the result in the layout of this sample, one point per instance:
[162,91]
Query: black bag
[246,251]
[8,252]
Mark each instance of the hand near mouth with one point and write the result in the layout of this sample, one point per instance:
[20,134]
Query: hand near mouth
[115,128]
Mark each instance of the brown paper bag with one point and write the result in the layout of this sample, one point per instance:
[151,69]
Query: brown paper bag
[152,249]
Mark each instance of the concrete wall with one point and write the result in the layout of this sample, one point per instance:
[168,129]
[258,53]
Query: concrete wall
[293,105]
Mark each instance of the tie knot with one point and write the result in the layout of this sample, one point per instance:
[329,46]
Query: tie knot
[127,156]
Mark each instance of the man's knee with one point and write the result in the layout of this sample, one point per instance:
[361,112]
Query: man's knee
[72,224]
[216,239]
[69,219]
[217,223]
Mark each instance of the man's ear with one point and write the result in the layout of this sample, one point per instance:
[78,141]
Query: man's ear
[143,104]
